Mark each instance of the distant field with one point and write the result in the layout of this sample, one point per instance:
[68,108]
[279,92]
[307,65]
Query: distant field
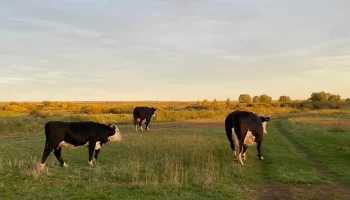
[307,156]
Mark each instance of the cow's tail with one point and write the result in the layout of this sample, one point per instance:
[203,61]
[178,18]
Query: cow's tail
[47,130]
[237,147]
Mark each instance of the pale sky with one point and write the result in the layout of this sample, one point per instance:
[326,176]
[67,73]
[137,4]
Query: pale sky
[172,49]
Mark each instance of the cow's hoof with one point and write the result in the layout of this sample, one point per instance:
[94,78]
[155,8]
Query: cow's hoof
[261,158]
[64,165]
[91,164]
[42,166]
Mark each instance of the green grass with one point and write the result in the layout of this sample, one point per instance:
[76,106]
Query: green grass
[329,149]
[175,160]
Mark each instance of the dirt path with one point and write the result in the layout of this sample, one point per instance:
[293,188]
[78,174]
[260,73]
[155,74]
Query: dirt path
[321,169]
[268,191]
[271,191]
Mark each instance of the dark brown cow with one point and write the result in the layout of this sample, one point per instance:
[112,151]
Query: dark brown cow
[245,128]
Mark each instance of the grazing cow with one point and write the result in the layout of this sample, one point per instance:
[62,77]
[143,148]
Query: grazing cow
[75,134]
[143,115]
[245,128]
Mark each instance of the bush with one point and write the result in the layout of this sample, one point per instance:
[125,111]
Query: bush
[91,109]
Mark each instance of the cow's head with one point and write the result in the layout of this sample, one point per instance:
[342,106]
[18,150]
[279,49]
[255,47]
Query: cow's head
[153,110]
[116,137]
[264,121]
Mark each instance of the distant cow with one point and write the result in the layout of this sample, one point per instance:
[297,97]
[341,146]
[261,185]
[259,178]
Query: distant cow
[75,134]
[141,115]
[245,128]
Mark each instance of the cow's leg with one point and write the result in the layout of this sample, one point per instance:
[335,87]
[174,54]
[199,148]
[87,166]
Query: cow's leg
[229,137]
[259,150]
[140,124]
[96,154]
[135,123]
[47,151]
[147,122]
[243,133]
[92,146]
[245,147]
[57,153]
[241,144]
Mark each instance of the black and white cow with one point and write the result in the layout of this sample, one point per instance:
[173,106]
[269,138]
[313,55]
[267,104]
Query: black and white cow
[245,128]
[141,115]
[75,134]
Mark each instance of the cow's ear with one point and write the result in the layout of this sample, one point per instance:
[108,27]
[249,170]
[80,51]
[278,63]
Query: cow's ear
[267,118]
[112,126]
[264,119]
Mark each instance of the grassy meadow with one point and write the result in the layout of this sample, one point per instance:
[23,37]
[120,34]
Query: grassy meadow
[307,156]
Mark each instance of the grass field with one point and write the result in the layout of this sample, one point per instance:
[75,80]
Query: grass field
[306,157]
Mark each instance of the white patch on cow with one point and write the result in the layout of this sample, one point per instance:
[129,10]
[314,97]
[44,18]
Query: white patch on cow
[141,128]
[144,121]
[98,146]
[240,158]
[65,164]
[147,128]
[66,144]
[261,158]
[136,127]
[236,143]
[117,137]
[91,164]
[249,138]
[264,127]
[42,166]
[154,115]
[63,143]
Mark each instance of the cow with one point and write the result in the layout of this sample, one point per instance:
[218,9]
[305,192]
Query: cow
[143,115]
[243,129]
[76,134]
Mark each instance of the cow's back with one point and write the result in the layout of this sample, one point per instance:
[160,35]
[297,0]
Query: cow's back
[141,111]
[80,131]
[244,120]
[251,122]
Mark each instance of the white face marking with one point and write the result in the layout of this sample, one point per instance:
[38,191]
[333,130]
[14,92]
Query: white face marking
[117,137]
[264,127]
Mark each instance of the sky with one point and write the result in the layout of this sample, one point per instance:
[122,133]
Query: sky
[172,50]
